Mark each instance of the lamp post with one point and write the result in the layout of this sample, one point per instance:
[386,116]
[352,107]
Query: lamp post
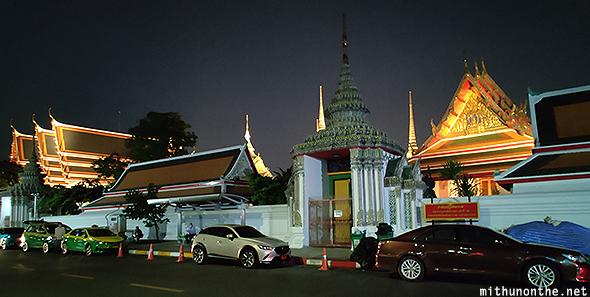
[35,205]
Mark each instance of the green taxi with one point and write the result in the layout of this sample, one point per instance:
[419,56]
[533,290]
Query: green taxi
[41,234]
[91,240]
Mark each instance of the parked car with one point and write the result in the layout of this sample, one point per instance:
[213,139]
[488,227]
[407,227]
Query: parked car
[10,236]
[91,240]
[240,242]
[473,250]
[41,234]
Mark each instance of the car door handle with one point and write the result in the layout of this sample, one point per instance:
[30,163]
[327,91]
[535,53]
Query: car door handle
[465,248]
[219,242]
[418,245]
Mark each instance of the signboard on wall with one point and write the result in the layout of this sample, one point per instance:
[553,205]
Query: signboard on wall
[451,211]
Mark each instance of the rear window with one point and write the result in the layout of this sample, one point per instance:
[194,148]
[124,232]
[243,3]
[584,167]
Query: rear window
[13,231]
[100,232]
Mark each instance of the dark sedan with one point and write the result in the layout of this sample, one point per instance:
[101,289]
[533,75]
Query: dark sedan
[474,250]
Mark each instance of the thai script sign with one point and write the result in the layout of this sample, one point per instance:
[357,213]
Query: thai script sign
[451,211]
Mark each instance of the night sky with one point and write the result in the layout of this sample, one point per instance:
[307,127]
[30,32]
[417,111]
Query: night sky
[106,64]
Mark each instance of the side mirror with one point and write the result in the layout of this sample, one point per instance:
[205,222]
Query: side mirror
[230,236]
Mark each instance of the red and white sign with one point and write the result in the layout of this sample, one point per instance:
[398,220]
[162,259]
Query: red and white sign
[451,211]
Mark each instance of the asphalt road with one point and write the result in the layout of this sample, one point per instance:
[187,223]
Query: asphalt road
[36,274]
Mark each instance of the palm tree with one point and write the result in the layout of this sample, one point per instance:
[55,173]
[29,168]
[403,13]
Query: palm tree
[465,186]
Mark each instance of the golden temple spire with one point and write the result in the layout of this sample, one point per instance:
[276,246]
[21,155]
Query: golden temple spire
[320,123]
[412,146]
[247,134]
[258,162]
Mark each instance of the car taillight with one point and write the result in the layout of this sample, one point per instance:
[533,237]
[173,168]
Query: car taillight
[381,243]
[583,274]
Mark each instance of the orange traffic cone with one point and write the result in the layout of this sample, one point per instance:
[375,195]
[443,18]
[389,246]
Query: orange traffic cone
[151,252]
[324,262]
[181,256]
[120,250]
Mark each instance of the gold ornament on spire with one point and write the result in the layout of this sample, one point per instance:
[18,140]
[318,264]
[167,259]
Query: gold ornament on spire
[320,123]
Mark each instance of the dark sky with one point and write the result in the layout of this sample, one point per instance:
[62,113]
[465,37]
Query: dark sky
[216,61]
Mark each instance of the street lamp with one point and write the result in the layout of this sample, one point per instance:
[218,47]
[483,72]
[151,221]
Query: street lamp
[35,205]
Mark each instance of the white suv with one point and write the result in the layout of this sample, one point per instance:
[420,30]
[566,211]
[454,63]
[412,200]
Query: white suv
[240,242]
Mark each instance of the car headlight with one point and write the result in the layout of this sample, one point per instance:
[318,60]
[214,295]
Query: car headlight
[264,247]
[49,238]
[575,259]
[22,238]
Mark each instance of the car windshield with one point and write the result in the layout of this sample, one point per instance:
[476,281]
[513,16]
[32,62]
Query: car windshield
[248,232]
[100,232]
[13,231]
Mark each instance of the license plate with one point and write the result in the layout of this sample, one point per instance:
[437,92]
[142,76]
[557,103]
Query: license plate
[283,257]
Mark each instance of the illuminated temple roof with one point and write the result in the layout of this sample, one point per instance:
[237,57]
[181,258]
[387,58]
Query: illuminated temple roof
[66,152]
[482,128]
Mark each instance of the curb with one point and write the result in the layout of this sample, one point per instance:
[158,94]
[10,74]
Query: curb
[294,259]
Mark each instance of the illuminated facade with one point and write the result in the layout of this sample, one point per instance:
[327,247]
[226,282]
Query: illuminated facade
[482,129]
[66,152]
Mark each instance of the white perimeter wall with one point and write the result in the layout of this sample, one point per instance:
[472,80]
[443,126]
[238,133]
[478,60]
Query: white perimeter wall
[271,220]
[563,201]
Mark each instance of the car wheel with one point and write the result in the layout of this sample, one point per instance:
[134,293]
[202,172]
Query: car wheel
[249,258]
[25,246]
[411,269]
[541,274]
[199,255]
[88,250]
[45,247]
[64,248]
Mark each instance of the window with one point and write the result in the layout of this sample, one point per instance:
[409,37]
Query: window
[444,234]
[476,236]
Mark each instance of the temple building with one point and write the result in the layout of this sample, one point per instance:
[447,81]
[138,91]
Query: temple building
[66,152]
[338,185]
[482,128]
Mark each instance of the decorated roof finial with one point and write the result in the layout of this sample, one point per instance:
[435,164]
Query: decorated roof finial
[51,116]
[466,66]
[484,71]
[476,69]
[344,41]
[33,117]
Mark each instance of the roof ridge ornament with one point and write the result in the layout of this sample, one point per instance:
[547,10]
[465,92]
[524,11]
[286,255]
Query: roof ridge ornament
[484,71]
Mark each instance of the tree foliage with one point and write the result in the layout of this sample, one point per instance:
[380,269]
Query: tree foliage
[152,215]
[465,186]
[59,200]
[110,167]
[158,136]
[9,173]
[269,190]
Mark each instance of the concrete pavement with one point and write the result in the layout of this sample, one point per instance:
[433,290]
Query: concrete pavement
[337,257]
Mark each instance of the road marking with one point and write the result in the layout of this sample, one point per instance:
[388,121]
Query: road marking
[21,266]
[78,276]
[157,288]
